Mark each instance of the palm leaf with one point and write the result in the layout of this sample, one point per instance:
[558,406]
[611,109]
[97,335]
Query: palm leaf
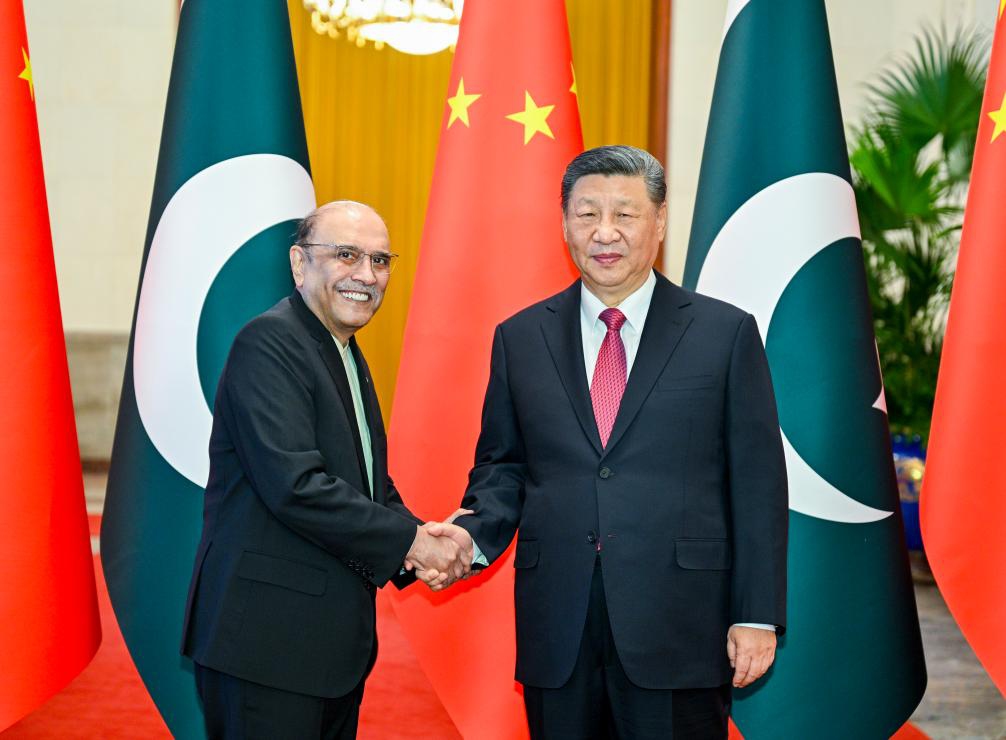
[936,91]
[911,160]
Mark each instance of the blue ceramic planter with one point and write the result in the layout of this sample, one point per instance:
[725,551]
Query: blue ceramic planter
[909,464]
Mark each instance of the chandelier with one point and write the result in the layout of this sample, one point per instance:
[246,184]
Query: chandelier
[411,26]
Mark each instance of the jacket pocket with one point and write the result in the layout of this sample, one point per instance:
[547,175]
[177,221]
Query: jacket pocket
[526,555]
[307,579]
[703,554]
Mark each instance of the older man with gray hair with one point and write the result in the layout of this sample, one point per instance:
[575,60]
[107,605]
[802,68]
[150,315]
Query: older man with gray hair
[302,523]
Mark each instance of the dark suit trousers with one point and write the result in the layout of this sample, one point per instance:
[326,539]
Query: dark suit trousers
[599,702]
[236,709]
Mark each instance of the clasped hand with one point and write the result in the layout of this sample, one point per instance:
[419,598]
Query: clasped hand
[442,553]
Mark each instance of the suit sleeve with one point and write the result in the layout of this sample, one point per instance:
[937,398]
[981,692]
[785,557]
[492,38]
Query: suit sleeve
[395,503]
[269,411]
[758,493]
[496,481]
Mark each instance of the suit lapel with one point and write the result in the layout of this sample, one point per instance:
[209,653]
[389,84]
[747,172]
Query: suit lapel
[665,324]
[333,361]
[565,345]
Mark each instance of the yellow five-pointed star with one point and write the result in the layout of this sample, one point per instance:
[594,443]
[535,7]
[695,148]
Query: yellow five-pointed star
[572,88]
[26,73]
[534,118]
[999,116]
[1002,6]
[460,104]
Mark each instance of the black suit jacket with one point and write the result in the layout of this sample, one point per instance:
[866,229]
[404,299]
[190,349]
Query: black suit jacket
[293,547]
[687,502]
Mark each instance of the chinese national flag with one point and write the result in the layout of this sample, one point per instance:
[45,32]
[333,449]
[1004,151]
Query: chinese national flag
[963,494]
[491,246]
[49,627]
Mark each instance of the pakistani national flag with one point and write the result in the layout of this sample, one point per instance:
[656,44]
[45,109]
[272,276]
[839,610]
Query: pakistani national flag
[776,232]
[232,177]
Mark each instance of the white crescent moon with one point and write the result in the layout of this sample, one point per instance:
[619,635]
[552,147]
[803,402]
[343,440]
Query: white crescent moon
[797,218]
[734,7]
[204,224]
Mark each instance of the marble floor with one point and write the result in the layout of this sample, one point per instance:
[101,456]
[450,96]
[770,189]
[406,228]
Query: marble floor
[961,702]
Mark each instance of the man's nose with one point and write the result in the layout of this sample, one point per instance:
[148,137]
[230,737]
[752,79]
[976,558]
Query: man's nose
[606,233]
[363,271]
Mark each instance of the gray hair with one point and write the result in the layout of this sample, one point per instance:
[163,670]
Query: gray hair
[305,228]
[619,159]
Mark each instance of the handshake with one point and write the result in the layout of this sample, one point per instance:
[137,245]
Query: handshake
[442,553]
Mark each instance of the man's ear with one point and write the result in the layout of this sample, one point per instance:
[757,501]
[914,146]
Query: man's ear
[297,260]
[662,221]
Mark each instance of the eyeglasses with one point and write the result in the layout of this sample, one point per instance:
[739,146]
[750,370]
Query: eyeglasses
[382,262]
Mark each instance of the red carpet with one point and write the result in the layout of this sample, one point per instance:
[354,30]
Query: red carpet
[108,699]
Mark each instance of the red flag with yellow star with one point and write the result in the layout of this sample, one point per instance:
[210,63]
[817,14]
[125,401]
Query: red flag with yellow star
[963,498]
[492,245]
[49,627]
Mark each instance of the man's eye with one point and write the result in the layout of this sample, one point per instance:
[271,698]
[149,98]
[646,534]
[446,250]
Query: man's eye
[587,214]
[380,259]
[346,254]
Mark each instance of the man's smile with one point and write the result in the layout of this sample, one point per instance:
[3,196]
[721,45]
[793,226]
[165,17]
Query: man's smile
[355,296]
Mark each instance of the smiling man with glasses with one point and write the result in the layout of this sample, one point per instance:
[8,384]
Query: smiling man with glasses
[302,522]
[340,287]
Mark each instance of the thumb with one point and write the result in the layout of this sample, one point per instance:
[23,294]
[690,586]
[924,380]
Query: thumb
[456,514]
[434,528]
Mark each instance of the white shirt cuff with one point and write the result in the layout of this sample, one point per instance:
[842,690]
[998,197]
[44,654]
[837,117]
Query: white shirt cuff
[478,557]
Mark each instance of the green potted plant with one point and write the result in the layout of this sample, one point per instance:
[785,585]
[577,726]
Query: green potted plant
[911,160]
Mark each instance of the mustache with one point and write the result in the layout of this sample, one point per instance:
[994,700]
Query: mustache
[357,287]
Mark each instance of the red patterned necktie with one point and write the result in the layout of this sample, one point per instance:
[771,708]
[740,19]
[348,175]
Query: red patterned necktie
[609,374]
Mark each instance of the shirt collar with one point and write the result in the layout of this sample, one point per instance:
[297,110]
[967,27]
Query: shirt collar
[635,306]
[343,348]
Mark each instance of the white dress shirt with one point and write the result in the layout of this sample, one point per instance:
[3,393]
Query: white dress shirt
[592,329]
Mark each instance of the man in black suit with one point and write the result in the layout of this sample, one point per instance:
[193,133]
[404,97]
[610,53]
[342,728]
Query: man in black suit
[301,522]
[630,440]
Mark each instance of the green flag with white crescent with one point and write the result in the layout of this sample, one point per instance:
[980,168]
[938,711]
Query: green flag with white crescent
[232,178]
[775,232]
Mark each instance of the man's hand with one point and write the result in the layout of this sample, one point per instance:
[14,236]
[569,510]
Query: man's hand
[438,560]
[751,651]
[437,581]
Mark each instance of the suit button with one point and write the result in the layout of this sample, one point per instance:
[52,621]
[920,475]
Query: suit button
[605,473]
[591,537]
